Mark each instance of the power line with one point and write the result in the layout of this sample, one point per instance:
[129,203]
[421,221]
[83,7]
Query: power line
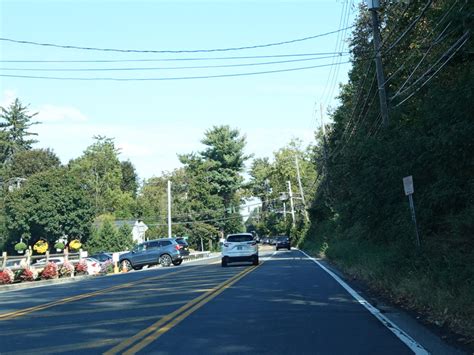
[175,59]
[465,38]
[167,68]
[266,45]
[172,78]
[410,27]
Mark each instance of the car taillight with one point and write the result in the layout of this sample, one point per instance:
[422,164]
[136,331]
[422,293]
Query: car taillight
[253,243]
[177,247]
[226,245]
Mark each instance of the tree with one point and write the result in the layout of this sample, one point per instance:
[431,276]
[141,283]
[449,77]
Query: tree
[29,162]
[129,181]
[49,205]
[14,130]
[100,168]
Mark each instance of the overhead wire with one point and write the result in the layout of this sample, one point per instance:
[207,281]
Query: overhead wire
[170,78]
[173,59]
[454,49]
[257,46]
[168,68]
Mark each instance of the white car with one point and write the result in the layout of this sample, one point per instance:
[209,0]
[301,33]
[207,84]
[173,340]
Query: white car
[93,266]
[239,247]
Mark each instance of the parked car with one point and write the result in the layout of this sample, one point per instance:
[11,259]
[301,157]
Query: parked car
[102,257]
[165,251]
[93,265]
[13,264]
[282,242]
[239,247]
[58,260]
[183,246]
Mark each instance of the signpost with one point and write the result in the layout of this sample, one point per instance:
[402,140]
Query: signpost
[409,190]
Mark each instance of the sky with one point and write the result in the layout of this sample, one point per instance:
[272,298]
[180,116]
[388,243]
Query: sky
[152,121]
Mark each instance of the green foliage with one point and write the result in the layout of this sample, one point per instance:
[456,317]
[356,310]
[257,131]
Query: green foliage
[20,246]
[269,183]
[212,180]
[48,206]
[129,183]
[29,162]
[99,167]
[106,237]
[14,130]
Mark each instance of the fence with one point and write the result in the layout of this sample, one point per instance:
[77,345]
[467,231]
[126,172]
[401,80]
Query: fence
[22,261]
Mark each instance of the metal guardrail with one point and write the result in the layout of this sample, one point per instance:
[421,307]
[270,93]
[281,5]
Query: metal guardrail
[197,255]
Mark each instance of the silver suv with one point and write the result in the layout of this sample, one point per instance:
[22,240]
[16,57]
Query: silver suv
[160,251]
[239,247]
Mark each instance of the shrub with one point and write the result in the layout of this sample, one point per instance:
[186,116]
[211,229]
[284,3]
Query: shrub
[107,267]
[81,267]
[50,271]
[66,269]
[7,276]
[28,274]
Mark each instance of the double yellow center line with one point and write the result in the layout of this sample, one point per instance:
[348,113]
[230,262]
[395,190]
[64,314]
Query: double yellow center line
[153,332]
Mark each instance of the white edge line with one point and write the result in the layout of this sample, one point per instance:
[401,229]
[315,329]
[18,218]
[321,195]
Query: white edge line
[404,337]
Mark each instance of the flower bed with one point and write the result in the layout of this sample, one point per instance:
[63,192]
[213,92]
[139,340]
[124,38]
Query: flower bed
[81,267]
[50,271]
[66,269]
[7,276]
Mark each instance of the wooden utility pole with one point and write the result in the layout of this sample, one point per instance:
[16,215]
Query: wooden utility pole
[374,5]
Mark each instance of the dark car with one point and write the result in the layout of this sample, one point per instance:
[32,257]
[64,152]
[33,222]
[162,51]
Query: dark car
[282,243]
[183,246]
[102,257]
[163,251]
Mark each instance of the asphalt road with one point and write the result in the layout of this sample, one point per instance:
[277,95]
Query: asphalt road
[286,305]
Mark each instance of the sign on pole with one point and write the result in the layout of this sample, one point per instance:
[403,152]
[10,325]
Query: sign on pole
[408,185]
[409,190]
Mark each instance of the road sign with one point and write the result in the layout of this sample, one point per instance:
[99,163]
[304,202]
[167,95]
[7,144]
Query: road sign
[408,185]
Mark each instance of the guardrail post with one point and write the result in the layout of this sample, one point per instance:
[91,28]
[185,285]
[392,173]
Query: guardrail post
[4,257]
[28,257]
[47,256]
[66,254]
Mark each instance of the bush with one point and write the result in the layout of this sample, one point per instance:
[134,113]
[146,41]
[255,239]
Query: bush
[50,271]
[28,274]
[66,269]
[7,276]
[107,267]
[81,267]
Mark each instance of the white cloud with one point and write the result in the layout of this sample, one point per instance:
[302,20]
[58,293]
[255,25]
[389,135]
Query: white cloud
[52,113]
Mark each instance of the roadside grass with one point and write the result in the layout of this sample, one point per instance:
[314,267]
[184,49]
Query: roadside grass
[437,282]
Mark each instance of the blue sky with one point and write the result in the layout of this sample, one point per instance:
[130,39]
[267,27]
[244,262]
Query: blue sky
[153,121]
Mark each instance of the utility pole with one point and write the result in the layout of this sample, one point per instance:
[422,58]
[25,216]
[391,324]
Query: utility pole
[373,6]
[169,209]
[291,202]
[301,188]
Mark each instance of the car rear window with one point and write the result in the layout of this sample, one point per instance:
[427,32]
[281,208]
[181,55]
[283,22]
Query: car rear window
[238,238]
[282,239]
